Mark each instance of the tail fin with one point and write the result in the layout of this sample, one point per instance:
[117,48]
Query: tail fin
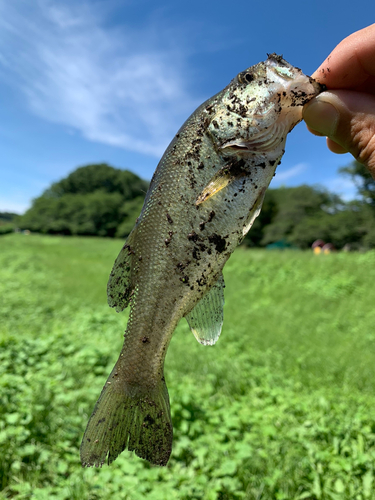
[140,423]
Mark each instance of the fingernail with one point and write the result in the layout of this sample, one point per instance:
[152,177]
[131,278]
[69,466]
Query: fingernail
[321,116]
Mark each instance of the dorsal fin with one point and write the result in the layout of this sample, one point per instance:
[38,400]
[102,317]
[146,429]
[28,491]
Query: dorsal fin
[206,319]
[119,287]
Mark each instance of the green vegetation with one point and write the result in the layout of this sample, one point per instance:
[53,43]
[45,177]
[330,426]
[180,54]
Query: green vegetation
[7,222]
[281,408]
[363,179]
[302,214]
[100,200]
[93,200]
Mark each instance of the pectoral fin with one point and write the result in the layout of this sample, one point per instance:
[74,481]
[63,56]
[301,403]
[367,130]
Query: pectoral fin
[222,179]
[216,184]
[206,319]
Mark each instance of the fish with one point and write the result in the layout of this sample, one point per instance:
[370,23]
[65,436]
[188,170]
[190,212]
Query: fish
[205,194]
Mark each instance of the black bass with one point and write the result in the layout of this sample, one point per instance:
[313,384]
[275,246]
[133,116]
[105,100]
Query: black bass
[203,198]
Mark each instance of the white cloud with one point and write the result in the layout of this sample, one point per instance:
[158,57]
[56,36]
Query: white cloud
[119,86]
[281,177]
[342,186]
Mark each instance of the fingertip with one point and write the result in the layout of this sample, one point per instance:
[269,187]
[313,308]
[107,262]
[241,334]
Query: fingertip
[319,75]
[336,148]
[318,134]
[321,116]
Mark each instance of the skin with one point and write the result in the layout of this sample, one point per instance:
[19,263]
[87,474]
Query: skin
[345,113]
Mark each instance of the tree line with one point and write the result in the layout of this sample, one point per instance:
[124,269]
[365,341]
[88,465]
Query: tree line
[104,201]
[94,200]
[300,215]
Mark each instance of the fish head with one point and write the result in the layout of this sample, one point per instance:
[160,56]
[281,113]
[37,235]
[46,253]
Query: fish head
[260,107]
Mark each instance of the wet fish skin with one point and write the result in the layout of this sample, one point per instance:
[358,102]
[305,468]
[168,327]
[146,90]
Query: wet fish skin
[203,198]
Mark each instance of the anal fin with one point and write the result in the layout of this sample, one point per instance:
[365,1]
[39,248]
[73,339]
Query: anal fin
[206,319]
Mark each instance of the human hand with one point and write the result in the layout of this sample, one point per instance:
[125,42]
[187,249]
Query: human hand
[345,113]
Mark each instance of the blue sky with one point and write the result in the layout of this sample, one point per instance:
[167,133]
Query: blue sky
[111,81]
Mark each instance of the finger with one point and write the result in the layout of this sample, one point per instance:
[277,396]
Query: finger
[348,119]
[351,63]
[336,148]
[314,132]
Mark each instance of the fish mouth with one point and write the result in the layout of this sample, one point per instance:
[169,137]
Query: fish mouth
[307,89]
[319,87]
[295,82]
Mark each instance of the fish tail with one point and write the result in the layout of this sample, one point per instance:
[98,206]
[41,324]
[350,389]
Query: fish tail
[140,423]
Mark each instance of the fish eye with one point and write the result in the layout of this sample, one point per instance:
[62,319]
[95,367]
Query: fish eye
[249,77]
[284,72]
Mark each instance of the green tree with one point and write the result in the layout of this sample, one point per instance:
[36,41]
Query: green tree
[294,207]
[341,227]
[7,217]
[99,177]
[7,222]
[255,236]
[92,200]
[129,212]
[366,190]
[362,179]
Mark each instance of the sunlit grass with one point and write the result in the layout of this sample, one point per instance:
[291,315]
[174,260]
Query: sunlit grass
[282,407]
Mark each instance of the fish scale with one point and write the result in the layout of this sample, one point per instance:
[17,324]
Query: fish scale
[203,198]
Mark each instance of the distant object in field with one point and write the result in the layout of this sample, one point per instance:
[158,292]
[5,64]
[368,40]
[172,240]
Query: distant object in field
[352,247]
[328,248]
[319,246]
[281,245]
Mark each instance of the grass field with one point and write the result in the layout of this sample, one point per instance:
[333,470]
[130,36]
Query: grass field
[283,407]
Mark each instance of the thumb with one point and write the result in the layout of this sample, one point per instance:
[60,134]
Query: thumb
[347,118]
